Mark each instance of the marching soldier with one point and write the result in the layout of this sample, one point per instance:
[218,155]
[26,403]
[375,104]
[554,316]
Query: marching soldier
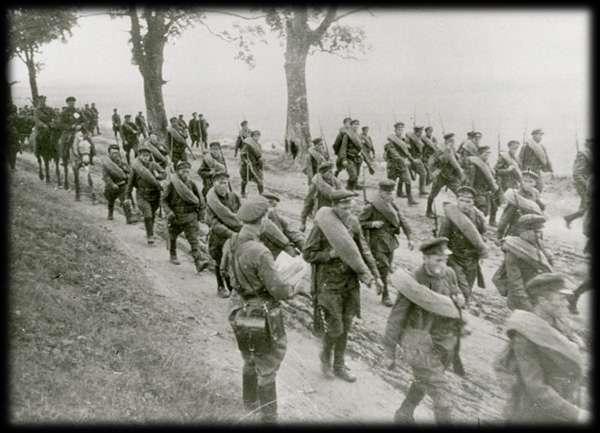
[350,155]
[203,130]
[182,126]
[184,208]
[129,134]
[541,363]
[88,117]
[429,337]
[337,143]
[295,238]
[242,135]
[194,127]
[81,151]
[524,258]
[469,147]
[397,156]
[142,127]
[44,118]
[341,259]
[319,192]
[251,165]
[255,313]
[316,156]
[95,117]
[582,170]
[534,157]
[367,142]
[177,142]
[479,176]
[145,177]
[223,222]
[212,162]
[382,221]
[429,150]
[507,168]
[116,124]
[115,173]
[69,118]
[525,200]
[160,153]
[447,172]
[464,225]
[416,147]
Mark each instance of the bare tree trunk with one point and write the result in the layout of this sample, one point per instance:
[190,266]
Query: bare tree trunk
[31,69]
[153,95]
[297,131]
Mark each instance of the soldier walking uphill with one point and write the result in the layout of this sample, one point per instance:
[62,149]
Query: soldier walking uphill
[176,141]
[145,177]
[464,225]
[116,124]
[194,128]
[160,153]
[95,117]
[524,258]
[367,142]
[416,148]
[429,335]
[479,176]
[81,157]
[582,171]
[115,173]
[69,118]
[251,163]
[541,365]
[242,135]
[507,169]
[130,134]
[341,259]
[142,126]
[255,314]
[397,156]
[469,147]
[184,207]
[203,130]
[522,201]
[447,172]
[319,194]
[223,222]
[534,157]
[293,238]
[337,143]
[382,221]
[316,156]
[212,162]
[350,155]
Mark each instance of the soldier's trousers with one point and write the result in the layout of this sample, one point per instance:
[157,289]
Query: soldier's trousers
[215,249]
[64,148]
[188,224]
[438,183]
[383,259]
[148,207]
[128,147]
[483,203]
[253,174]
[76,170]
[112,195]
[265,365]
[353,169]
[466,273]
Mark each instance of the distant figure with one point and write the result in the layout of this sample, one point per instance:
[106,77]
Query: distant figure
[96,118]
[416,148]
[116,124]
[338,142]
[203,130]
[367,142]
[251,166]
[129,133]
[507,169]
[350,155]
[316,156]
[194,128]
[183,128]
[140,122]
[242,135]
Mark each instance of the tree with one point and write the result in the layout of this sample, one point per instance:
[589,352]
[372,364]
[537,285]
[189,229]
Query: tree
[29,29]
[306,31]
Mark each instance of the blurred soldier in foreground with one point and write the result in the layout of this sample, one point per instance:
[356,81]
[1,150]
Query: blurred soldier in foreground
[582,171]
[295,240]
[319,194]
[115,173]
[534,157]
[251,165]
[447,172]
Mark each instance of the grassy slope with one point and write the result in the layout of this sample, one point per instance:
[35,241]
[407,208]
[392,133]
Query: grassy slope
[89,340]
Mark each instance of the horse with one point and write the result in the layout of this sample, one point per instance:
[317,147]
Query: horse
[45,145]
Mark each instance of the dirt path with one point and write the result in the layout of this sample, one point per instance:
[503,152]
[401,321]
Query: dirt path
[305,395]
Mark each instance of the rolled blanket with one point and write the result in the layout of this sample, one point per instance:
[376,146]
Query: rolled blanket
[416,140]
[274,234]
[400,143]
[339,238]
[184,191]
[539,152]
[512,162]
[254,145]
[514,198]
[144,173]
[225,215]
[323,187]
[116,172]
[386,210]
[526,251]
[177,136]
[354,137]
[466,227]
[423,296]
[540,333]
[485,170]
[156,153]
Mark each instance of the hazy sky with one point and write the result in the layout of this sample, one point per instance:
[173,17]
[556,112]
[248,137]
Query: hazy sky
[499,70]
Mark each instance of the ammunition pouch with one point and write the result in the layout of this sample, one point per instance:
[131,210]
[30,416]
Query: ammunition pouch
[257,327]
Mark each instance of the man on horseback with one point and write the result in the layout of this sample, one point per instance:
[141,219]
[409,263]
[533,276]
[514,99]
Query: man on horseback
[44,142]
[69,118]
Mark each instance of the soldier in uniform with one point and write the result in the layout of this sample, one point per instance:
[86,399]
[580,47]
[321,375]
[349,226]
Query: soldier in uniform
[319,192]
[429,151]
[255,313]
[96,118]
[145,177]
[69,118]
[81,154]
[44,118]
[242,135]
[337,143]
[316,156]
[465,254]
[507,168]
[183,128]
[176,140]
[469,147]
[342,259]
[416,147]
[129,134]
[541,363]
[430,340]
[88,117]
[448,172]
[524,258]
[142,127]
[194,127]
[350,154]
[479,176]
[295,238]
[116,124]
[397,156]
[115,173]
[513,211]
[367,142]
[223,222]
[534,157]
[582,170]
[381,221]
[251,165]
[160,153]
[184,207]
[212,162]
[203,130]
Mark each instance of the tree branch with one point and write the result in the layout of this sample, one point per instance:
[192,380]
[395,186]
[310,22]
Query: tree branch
[339,17]
[341,56]
[234,14]
[212,32]
[317,33]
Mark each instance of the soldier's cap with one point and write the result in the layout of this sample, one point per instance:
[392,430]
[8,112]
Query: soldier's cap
[465,190]
[144,148]
[398,125]
[342,196]
[317,141]
[387,185]
[41,97]
[173,119]
[325,166]
[244,122]
[253,209]
[214,144]
[530,174]
[183,164]
[483,149]
[271,196]
[437,246]
[255,132]
[531,222]
[127,115]
[418,128]
[114,147]
[477,134]
[511,142]
[355,122]
[71,98]
[365,127]
[548,282]
[200,114]
[347,119]
[429,128]
[220,173]
[194,113]
[470,134]
[449,136]
[537,131]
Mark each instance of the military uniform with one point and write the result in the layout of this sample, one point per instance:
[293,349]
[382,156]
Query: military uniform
[582,170]
[506,175]
[176,141]
[486,189]
[95,117]
[448,173]
[383,241]
[296,239]
[511,213]
[242,135]
[203,131]
[68,119]
[115,187]
[350,153]
[397,157]
[140,123]
[368,144]
[116,126]
[81,157]
[194,128]
[529,160]
[251,164]
[129,134]
[316,156]
[210,165]
[416,147]
[319,192]
[258,290]
[185,215]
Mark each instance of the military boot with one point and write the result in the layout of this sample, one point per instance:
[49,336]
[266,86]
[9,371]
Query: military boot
[222,292]
[325,357]
[339,365]
[411,200]
[399,190]
[260,188]
[173,251]
[572,298]
[385,296]
[429,212]
[200,264]
[149,230]
[405,413]
[110,212]
[267,396]
[250,391]
[243,194]
[422,191]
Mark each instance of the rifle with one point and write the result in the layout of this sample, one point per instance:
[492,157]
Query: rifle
[457,364]
[498,144]
[435,219]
